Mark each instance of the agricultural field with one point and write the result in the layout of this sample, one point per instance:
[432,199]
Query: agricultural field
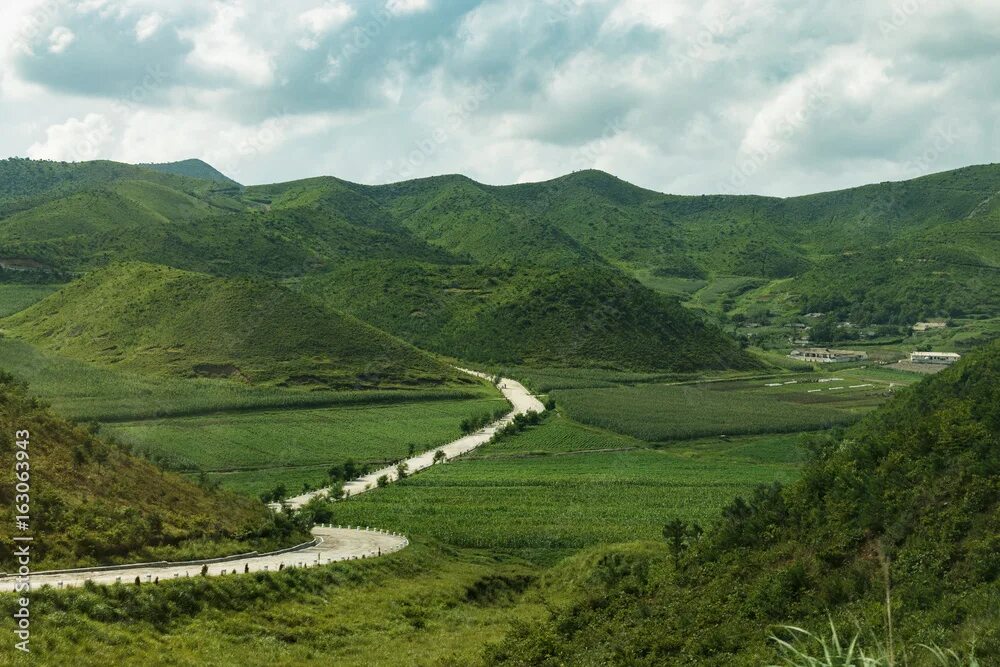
[296,446]
[15,297]
[541,495]
[87,392]
[788,403]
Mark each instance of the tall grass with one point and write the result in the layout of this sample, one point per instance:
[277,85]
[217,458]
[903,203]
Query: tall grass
[802,648]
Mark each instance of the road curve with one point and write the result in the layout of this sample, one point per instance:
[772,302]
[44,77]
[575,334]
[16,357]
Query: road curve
[332,544]
[519,397]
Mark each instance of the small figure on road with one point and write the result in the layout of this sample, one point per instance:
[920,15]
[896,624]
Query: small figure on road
[246,568]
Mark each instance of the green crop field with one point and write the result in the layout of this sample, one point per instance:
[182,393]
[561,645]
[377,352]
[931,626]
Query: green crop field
[543,506]
[264,445]
[15,298]
[88,392]
[659,412]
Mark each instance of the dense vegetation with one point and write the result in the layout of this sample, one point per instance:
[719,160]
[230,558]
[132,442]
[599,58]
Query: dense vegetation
[155,319]
[94,502]
[906,504]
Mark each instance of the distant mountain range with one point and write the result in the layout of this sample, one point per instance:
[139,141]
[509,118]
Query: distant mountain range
[585,269]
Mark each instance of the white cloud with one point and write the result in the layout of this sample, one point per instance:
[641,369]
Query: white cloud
[221,47]
[75,140]
[147,26]
[399,7]
[321,20]
[672,95]
[60,38]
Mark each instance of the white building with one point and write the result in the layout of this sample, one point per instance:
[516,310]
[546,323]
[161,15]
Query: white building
[927,326]
[824,355]
[934,357]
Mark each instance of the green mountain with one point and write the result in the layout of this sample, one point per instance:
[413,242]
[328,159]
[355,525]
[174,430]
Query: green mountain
[92,502]
[904,504]
[193,168]
[447,263]
[156,318]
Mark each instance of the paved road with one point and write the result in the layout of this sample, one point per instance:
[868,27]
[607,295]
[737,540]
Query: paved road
[334,544]
[519,397]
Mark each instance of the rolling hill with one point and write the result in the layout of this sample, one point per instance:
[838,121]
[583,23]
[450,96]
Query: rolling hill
[585,315]
[155,318]
[453,260]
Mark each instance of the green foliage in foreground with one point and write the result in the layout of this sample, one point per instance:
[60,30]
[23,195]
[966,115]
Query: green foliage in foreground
[93,503]
[153,318]
[801,648]
[904,507]
[424,605]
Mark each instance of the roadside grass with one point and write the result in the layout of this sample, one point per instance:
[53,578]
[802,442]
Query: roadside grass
[661,412]
[543,507]
[262,445]
[427,605]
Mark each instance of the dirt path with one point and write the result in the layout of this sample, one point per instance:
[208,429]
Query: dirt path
[331,544]
[514,391]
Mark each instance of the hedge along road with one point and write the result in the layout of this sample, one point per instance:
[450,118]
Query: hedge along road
[329,545]
[519,397]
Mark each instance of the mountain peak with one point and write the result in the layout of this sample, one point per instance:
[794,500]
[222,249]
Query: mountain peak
[192,168]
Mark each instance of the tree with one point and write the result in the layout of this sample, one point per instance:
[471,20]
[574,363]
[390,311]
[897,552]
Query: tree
[383,481]
[350,470]
[439,456]
[411,449]
[401,470]
[679,536]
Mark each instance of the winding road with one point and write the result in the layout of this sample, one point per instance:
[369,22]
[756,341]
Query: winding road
[330,544]
[519,397]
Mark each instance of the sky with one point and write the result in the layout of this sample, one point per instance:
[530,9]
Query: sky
[775,97]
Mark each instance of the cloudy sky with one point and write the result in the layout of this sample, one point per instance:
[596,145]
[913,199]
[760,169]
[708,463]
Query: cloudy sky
[687,96]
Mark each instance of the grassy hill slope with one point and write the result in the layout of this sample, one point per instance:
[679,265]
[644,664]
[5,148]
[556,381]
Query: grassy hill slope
[912,490]
[93,502]
[156,318]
